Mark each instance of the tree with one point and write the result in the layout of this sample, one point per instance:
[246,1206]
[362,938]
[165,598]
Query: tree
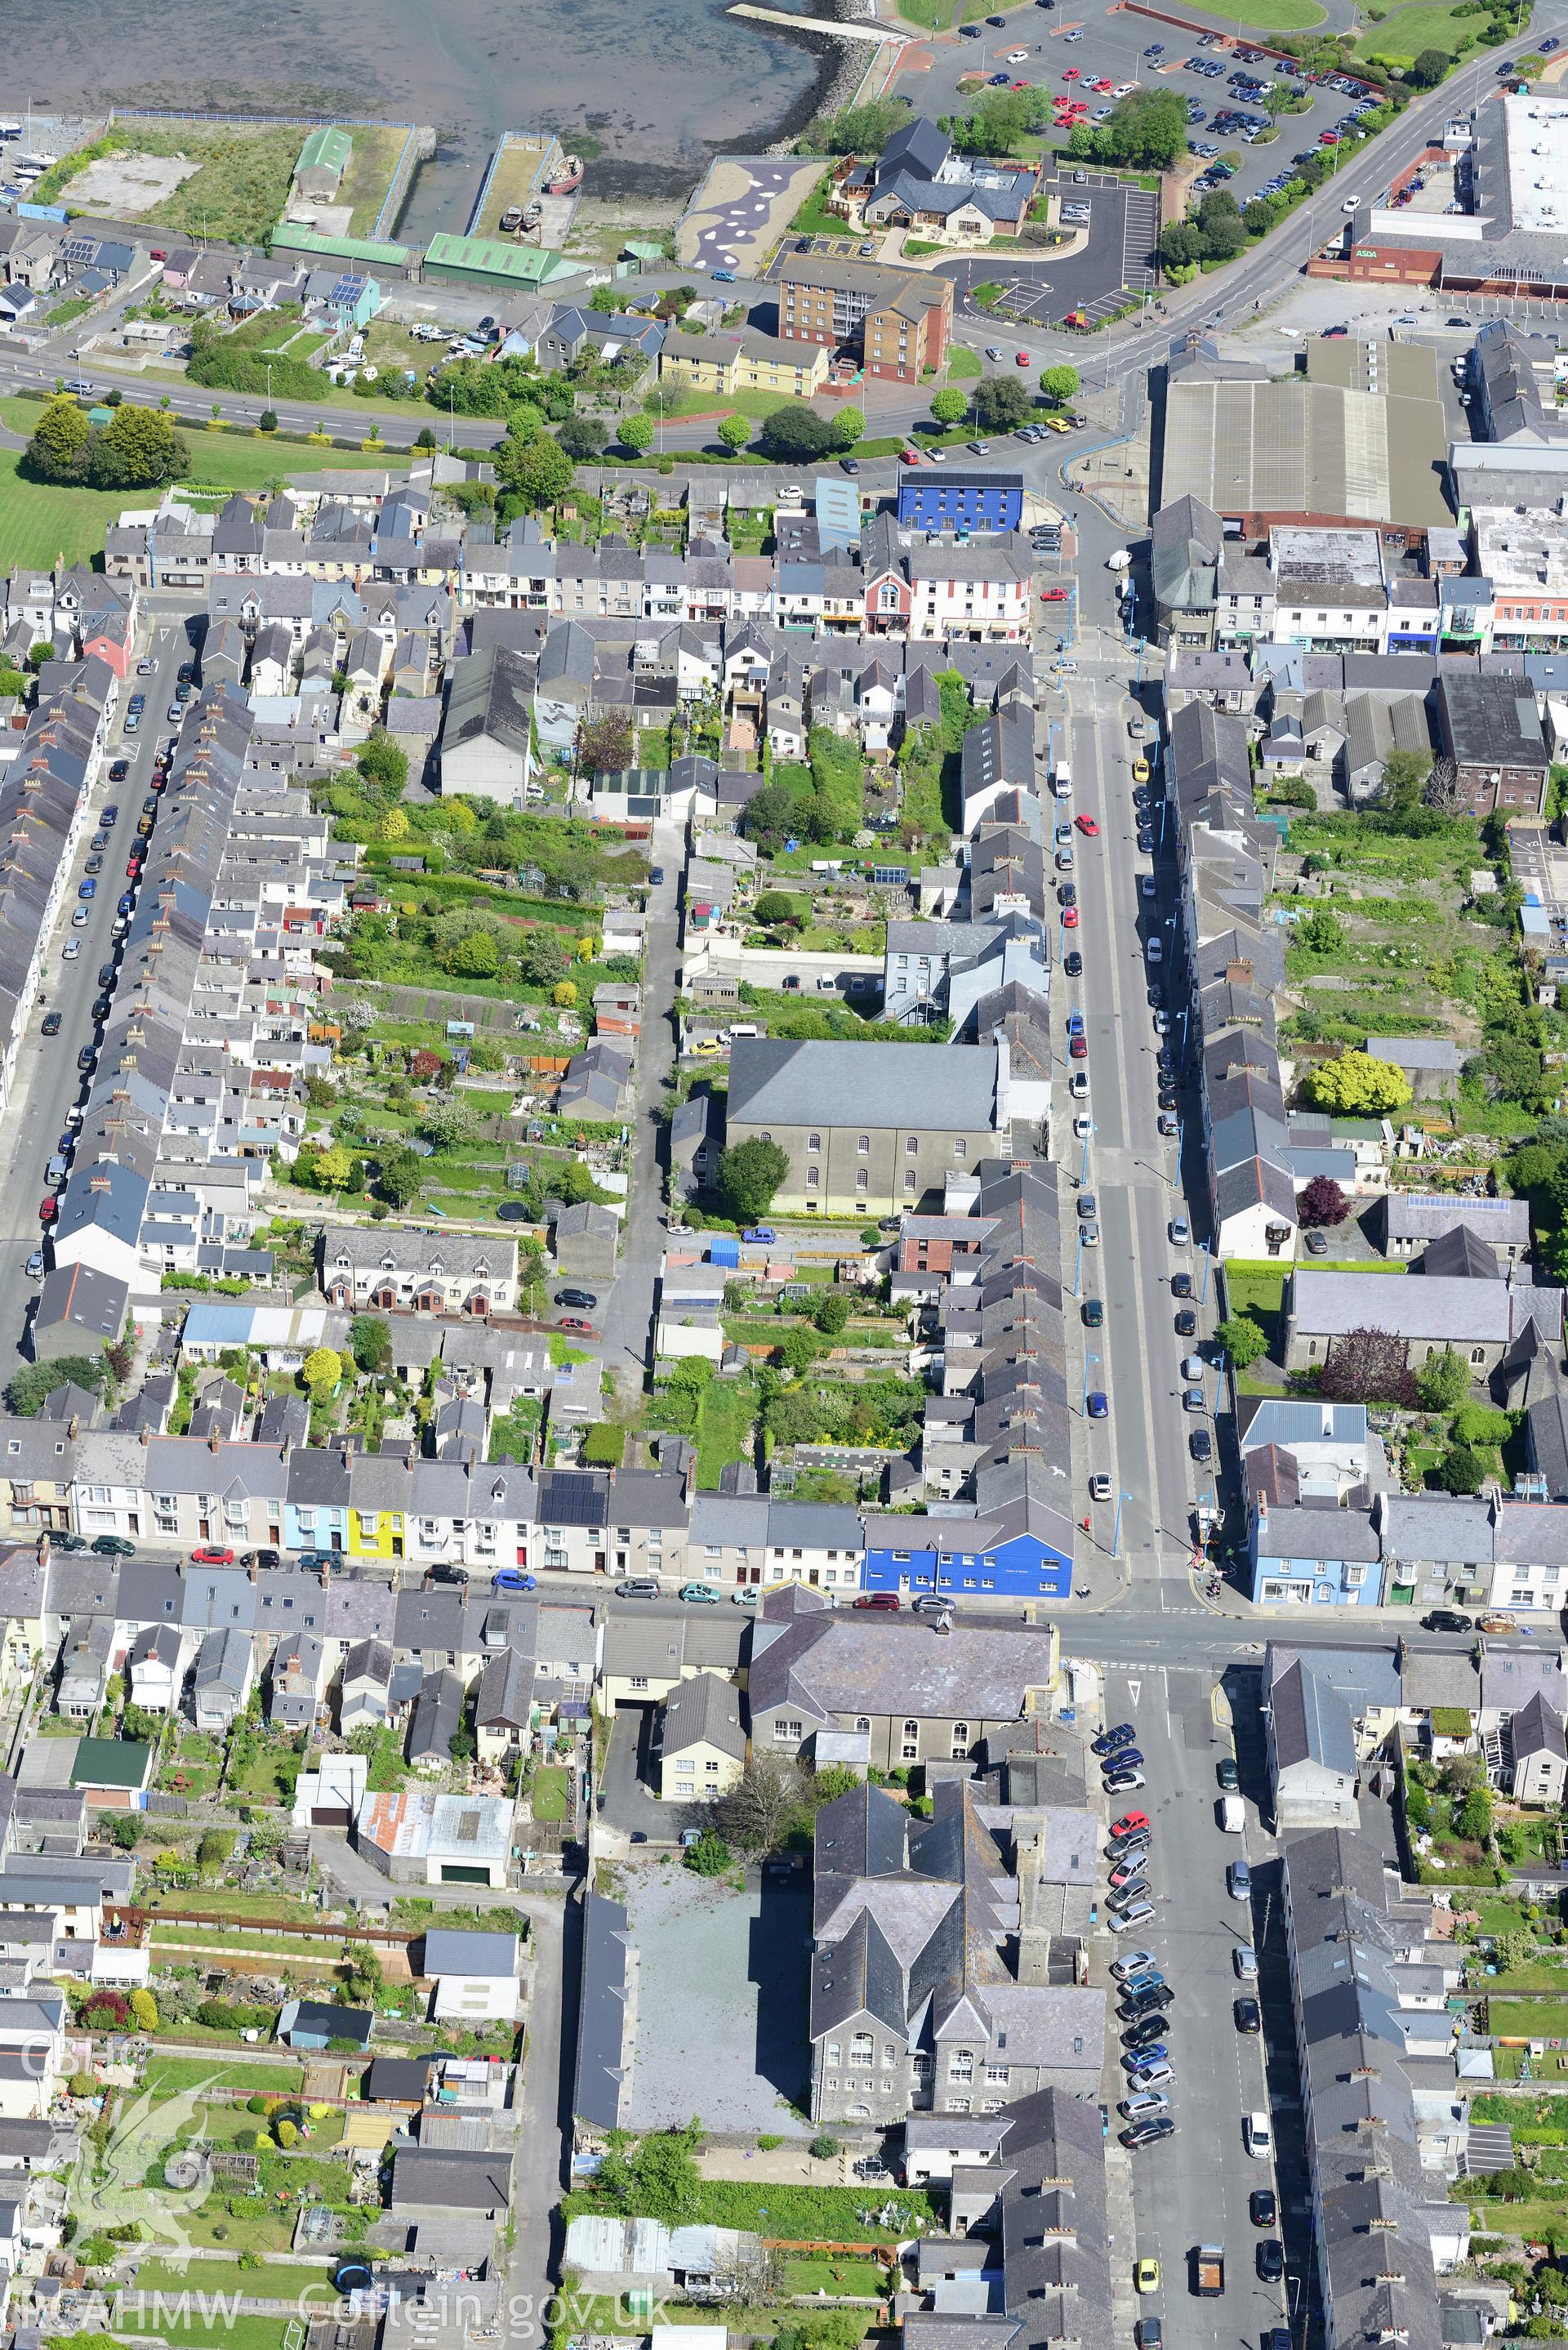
[1367,1365]
[363,1973]
[832,1315]
[1358,1084]
[776,906]
[29,1388]
[584,438]
[749,1175]
[636,433]
[267,420]
[1322,1203]
[1001,403]
[949,405]
[57,450]
[736,432]
[1443,1383]
[333,1169]
[1147,131]
[449,1125]
[1242,1340]
[286,2132]
[1059,383]
[848,426]
[138,450]
[769,1801]
[1402,783]
[370,1339]
[795,435]
[542,958]
[383,764]
[144,2008]
[401,1176]
[537,473]
[709,1856]
[1429,68]
[321,1371]
[605,745]
[771,817]
[564,995]
[1321,932]
[796,1351]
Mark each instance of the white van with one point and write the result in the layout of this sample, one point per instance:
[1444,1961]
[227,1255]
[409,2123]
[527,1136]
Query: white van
[1061,780]
[1232,1814]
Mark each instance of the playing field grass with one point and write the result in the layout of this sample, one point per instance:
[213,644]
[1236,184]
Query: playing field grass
[38,522]
[1405,32]
[1269,16]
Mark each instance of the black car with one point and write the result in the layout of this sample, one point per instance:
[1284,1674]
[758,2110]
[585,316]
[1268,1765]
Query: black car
[268,1558]
[1187,1323]
[1199,1446]
[1181,1284]
[1093,1314]
[1225,1770]
[119,771]
[1276,2337]
[102,1008]
[1073,964]
[1248,2015]
[1144,2034]
[1148,2133]
[106,975]
[1271,2260]
[1145,2005]
[585,1298]
[1446,1619]
[1142,795]
[185,673]
[1146,840]
[1167,1098]
[656,873]
[1264,2208]
[51,1024]
[68,1542]
[1155,996]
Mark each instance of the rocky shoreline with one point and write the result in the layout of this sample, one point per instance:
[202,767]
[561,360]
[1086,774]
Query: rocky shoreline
[844,67]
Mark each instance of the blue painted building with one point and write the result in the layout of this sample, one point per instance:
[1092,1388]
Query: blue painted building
[1022,1553]
[976,499]
[1320,1557]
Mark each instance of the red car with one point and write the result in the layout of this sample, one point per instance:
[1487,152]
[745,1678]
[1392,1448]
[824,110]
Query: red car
[1071,73]
[48,1209]
[909,456]
[1087,827]
[887,1600]
[157,253]
[1105,85]
[1078,1046]
[212,1555]
[1069,918]
[1130,1824]
[1328,137]
[1022,359]
[133,871]
[575,1322]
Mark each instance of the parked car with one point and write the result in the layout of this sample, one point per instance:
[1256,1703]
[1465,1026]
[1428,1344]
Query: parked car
[1248,2015]
[698,1595]
[1446,1619]
[114,1546]
[638,1587]
[212,1554]
[51,1024]
[885,1602]
[583,1297]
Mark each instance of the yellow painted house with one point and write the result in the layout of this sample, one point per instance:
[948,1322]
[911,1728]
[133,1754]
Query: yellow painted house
[770,364]
[700,364]
[704,1749]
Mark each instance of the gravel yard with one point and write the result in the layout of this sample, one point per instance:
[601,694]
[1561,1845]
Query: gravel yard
[721,2001]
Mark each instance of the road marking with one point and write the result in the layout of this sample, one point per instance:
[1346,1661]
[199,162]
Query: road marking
[1134,1690]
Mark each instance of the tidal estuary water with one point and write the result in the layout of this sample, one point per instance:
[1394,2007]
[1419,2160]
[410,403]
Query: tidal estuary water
[656,84]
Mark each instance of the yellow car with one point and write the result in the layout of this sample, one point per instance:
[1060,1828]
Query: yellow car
[1057,424]
[705,1050]
[1146,2276]
[1140,771]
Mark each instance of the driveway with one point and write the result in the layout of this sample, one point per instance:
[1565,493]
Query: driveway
[626,1800]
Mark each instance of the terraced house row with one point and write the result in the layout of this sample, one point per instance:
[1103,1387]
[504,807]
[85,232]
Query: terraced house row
[199,1084]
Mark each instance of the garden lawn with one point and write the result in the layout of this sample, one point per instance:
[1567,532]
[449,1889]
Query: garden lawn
[1425,25]
[264,1946]
[276,2281]
[799,2214]
[1542,1975]
[223,1901]
[190,2331]
[723,1428]
[1539,2121]
[1259,1290]
[1531,2019]
[549,1794]
[1534,2222]
[826,2275]
[169,2076]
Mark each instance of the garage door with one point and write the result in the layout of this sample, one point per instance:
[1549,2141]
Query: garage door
[452,1873]
[328,1815]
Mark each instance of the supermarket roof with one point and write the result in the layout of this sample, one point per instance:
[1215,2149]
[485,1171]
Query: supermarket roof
[1324,451]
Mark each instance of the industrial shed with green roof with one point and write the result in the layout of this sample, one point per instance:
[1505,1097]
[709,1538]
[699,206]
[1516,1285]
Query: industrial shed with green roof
[486,261]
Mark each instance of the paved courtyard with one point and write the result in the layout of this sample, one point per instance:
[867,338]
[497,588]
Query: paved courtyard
[721,2001]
